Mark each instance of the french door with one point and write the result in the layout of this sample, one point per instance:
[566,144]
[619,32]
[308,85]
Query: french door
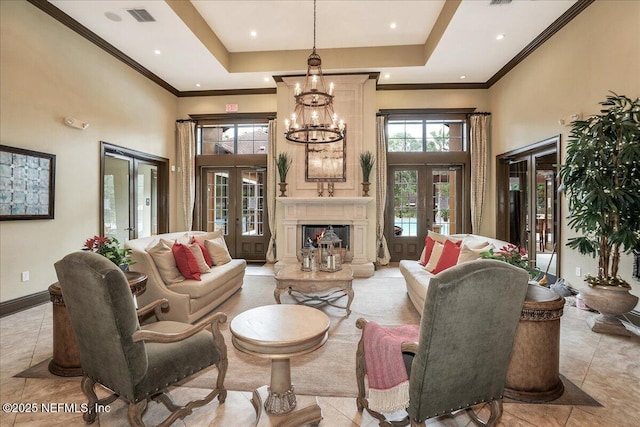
[234,201]
[133,194]
[423,198]
[528,202]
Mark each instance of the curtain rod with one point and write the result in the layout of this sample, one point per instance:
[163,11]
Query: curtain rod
[185,120]
[479,113]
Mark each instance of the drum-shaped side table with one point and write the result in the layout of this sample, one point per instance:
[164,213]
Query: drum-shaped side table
[534,370]
[66,356]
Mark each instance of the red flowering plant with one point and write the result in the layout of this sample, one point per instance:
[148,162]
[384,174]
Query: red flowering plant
[109,247]
[513,255]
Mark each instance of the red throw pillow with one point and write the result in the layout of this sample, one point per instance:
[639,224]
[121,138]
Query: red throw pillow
[428,248]
[186,261]
[449,257]
[205,252]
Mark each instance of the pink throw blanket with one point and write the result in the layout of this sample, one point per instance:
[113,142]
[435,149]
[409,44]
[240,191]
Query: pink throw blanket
[387,375]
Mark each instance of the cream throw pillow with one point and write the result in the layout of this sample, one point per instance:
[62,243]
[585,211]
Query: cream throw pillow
[217,247]
[197,252]
[164,260]
[435,257]
[470,253]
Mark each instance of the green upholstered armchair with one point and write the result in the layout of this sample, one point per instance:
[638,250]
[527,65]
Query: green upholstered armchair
[137,363]
[466,335]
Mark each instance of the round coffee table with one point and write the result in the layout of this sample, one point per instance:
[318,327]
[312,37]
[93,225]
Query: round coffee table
[280,332]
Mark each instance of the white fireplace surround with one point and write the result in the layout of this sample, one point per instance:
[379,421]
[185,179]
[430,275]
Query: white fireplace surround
[351,211]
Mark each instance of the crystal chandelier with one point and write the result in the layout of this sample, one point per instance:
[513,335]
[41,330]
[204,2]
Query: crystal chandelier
[313,120]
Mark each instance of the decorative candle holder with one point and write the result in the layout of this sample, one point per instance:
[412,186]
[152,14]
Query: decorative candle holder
[330,188]
[320,189]
[308,253]
[330,248]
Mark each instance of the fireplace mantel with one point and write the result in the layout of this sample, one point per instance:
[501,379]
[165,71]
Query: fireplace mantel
[324,200]
[350,211]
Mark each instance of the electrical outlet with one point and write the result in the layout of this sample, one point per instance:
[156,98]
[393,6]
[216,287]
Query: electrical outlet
[578,271]
[25,276]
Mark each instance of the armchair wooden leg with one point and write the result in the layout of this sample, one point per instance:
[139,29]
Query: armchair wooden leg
[88,386]
[88,390]
[223,363]
[494,416]
[135,413]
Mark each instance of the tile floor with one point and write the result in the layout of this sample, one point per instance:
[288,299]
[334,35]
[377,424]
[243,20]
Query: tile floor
[606,367]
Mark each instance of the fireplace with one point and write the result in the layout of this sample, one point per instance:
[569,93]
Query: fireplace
[308,216]
[315,233]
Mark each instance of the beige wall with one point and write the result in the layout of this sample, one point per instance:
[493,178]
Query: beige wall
[49,72]
[598,52]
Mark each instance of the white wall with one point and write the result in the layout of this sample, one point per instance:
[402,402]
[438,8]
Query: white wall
[50,72]
[597,52]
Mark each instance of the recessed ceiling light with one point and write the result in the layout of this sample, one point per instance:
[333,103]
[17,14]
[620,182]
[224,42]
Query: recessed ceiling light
[266,79]
[462,77]
[157,51]
[393,26]
[499,36]
[387,76]
[197,84]
[254,34]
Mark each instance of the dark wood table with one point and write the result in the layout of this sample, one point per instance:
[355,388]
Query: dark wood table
[66,356]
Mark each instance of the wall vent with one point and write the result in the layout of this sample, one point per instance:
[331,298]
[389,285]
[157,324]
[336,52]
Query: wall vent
[141,15]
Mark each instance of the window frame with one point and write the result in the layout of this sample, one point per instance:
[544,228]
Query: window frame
[234,120]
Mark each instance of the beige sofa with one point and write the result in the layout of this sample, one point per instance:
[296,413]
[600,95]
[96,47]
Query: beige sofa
[417,278]
[189,300]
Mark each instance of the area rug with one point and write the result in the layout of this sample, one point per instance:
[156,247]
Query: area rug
[329,370]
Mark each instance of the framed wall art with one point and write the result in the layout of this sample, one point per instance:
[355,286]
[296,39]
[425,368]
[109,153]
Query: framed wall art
[27,184]
[326,162]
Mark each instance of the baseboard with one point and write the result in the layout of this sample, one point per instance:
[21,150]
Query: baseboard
[23,303]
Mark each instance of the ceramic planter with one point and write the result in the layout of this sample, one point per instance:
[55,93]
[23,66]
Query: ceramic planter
[609,301]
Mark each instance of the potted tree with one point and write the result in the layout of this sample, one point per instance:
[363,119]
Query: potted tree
[601,178]
[283,162]
[367,160]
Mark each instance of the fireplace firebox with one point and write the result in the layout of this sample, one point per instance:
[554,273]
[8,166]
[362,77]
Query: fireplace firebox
[315,233]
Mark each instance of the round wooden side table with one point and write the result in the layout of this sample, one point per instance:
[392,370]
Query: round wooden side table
[66,356]
[280,332]
[534,369]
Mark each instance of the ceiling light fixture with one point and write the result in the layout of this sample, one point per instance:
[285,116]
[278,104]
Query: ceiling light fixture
[462,77]
[254,34]
[499,36]
[387,76]
[393,26]
[313,120]
[157,51]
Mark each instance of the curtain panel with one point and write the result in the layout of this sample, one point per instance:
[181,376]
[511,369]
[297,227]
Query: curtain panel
[479,135]
[272,185]
[186,157]
[382,255]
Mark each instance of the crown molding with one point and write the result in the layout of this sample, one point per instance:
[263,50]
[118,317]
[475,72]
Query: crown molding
[83,31]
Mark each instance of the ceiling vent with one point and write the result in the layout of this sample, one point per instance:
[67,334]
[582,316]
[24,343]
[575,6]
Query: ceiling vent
[500,2]
[141,15]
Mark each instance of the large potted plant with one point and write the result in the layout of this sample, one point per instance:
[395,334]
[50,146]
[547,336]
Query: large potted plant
[283,162]
[367,160]
[601,178]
